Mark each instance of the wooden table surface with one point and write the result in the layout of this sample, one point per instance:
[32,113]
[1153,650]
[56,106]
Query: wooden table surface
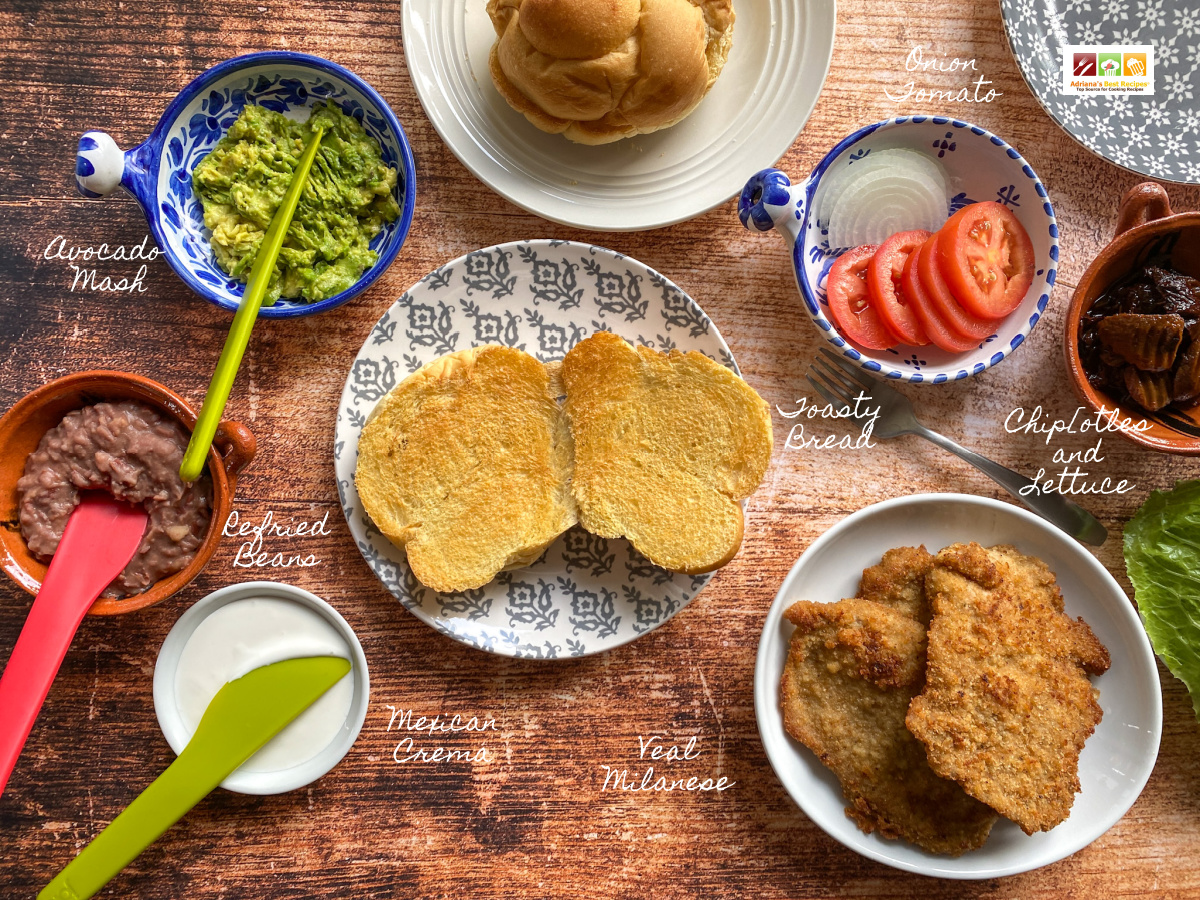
[533,822]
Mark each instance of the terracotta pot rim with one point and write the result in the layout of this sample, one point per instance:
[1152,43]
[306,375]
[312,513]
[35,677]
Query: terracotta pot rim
[237,441]
[1179,444]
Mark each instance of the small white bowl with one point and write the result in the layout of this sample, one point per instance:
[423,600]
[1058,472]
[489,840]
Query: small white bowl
[1118,757]
[171,722]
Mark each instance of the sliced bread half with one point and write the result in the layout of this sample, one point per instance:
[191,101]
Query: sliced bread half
[665,447]
[466,464]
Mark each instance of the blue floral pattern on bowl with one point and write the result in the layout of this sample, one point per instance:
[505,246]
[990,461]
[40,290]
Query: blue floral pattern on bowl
[979,166]
[586,594]
[159,172]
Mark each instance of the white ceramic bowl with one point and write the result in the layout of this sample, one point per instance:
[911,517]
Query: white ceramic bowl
[1118,757]
[980,166]
[177,733]
[770,83]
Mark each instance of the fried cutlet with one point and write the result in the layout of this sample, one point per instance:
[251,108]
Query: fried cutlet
[852,668]
[898,581]
[1007,705]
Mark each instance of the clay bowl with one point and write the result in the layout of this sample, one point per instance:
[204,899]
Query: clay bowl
[23,426]
[1146,228]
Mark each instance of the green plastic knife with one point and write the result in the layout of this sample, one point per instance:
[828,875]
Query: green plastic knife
[242,717]
[243,320]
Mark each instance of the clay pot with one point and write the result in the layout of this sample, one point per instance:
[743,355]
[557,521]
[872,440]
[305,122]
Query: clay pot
[22,427]
[1146,227]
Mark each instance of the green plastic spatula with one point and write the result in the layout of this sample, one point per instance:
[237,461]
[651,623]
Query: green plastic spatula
[241,718]
[196,454]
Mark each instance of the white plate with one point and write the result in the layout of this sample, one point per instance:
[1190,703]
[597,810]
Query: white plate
[776,67]
[586,594]
[1118,757]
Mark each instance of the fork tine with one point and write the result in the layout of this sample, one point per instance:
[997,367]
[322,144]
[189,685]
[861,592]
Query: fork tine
[826,395]
[853,371]
[837,376]
[841,396]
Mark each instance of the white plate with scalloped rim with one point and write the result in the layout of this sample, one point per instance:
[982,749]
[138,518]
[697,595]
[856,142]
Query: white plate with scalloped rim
[586,594]
[1117,759]
[769,86]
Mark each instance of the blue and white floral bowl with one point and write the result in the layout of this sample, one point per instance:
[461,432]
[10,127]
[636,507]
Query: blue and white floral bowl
[979,166]
[158,173]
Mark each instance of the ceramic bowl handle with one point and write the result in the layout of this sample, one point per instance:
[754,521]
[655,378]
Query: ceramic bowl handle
[766,200]
[1142,203]
[237,446]
[99,165]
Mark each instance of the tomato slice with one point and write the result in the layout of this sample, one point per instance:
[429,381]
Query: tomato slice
[987,258]
[849,302]
[887,293]
[960,321]
[940,334]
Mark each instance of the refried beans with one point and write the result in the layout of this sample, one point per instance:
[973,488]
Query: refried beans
[133,452]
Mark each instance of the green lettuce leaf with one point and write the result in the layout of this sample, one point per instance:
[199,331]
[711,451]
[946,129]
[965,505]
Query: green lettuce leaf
[1162,554]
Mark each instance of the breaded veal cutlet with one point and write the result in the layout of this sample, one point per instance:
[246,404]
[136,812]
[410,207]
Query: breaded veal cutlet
[898,581]
[1007,704]
[851,670]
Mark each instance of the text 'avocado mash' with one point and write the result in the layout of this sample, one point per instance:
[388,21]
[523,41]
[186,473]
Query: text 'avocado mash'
[347,200]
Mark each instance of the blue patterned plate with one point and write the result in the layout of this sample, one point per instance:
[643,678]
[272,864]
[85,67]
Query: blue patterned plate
[979,166]
[158,173]
[1151,134]
[586,594]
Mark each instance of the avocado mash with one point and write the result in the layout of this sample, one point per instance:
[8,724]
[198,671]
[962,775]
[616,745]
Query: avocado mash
[346,202]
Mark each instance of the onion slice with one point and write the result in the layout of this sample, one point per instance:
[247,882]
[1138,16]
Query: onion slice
[868,200]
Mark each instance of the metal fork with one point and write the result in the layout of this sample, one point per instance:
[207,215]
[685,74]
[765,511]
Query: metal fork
[839,382]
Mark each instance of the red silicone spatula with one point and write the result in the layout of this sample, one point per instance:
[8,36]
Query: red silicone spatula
[100,538]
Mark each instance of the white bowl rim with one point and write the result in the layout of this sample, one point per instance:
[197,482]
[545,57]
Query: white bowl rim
[764,682]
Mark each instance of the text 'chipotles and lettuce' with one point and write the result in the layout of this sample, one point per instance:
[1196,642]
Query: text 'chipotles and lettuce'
[348,200]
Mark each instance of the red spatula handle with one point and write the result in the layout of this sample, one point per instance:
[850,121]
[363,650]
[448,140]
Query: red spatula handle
[100,538]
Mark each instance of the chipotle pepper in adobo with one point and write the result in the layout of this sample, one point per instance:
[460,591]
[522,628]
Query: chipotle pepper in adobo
[1140,341]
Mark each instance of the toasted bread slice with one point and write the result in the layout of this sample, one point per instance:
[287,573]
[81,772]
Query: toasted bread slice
[466,464]
[665,447]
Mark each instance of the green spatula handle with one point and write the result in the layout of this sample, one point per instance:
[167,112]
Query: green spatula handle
[185,783]
[243,716]
[243,320]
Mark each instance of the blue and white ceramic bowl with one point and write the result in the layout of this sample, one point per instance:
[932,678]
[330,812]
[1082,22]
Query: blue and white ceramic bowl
[979,166]
[158,173]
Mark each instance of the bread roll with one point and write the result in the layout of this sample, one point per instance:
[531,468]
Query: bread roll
[597,71]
